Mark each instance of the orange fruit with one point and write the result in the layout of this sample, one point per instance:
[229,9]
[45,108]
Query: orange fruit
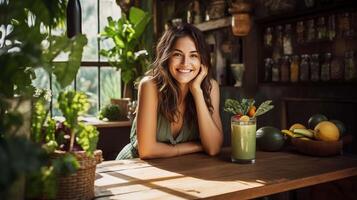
[251,111]
[326,131]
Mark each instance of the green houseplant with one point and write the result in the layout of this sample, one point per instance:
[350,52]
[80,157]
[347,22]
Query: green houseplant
[25,45]
[126,55]
[71,145]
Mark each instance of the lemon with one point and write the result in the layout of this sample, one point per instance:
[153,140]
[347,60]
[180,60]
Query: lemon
[244,118]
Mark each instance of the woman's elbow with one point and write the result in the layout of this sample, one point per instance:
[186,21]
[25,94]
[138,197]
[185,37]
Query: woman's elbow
[144,153]
[214,151]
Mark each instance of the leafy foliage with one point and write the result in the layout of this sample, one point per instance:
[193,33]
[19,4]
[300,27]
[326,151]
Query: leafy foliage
[18,156]
[125,34]
[111,112]
[22,50]
[242,107]
[72,104]
[263,108]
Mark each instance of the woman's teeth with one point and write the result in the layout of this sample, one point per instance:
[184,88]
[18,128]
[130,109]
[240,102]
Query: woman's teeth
[184,70]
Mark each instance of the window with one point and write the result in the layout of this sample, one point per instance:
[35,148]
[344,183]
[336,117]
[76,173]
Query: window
[96,77]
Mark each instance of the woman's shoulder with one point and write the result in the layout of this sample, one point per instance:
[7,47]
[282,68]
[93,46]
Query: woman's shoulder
[214,84]
[148,83]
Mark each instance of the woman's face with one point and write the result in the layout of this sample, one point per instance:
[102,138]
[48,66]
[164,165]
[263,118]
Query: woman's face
[185,61]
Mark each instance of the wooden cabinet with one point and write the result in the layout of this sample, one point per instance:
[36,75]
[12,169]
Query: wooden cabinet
[334,98]
[309,46]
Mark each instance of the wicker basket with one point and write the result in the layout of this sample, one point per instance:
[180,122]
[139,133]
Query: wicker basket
[79,185]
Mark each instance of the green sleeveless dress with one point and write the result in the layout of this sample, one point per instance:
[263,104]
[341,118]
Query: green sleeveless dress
[163,134]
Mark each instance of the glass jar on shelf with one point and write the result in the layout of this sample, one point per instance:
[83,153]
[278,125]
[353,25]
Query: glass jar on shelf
[304,68]
[268,37]
[300,29]
[331,27]
[315,67]
[287,40]
[350,66]
[321,28]
[344,26]
[285,69]
[336,68]
[275,71]
[310,32]
[325,67]
[278,44]
[268,65]
[294,68]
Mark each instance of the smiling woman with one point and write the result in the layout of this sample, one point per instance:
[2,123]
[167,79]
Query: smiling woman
[178,101]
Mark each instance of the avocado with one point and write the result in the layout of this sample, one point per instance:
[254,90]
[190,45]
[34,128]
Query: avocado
[315,119]
[269,139]
[340,125]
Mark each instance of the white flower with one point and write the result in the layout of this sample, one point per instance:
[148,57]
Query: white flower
[141,52]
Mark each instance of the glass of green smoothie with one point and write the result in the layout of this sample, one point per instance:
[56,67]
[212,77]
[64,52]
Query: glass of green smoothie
[243,139]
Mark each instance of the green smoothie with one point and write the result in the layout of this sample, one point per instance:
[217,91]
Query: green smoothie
[243,141]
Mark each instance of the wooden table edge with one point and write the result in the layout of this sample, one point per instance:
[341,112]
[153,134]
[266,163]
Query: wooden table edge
[279,187]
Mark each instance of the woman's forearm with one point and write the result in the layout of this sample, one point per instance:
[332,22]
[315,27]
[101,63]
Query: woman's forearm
[210,133]
[163,150]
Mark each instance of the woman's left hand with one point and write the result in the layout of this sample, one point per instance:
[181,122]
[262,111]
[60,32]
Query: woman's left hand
[195,84]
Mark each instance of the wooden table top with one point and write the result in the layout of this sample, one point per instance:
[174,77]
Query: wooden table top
[200,176]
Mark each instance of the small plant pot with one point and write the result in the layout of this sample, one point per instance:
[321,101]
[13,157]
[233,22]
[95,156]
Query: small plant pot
[79,185]
[123,103]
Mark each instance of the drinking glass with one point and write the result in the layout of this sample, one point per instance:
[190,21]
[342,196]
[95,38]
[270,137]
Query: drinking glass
[243,140]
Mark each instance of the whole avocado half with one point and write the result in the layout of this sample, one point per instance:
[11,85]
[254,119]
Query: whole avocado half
[269,139]
[315,119]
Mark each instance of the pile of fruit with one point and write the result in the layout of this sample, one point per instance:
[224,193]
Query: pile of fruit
[319,128]
[321,137]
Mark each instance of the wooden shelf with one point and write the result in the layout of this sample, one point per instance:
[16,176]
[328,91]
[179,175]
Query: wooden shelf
[104,124]
[312,12]
[214,24]
[310,84]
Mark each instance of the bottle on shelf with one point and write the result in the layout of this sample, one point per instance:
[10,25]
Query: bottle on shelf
[325,67]
[350,66]
[268,65]
[310,33]
[305,68]
[336,69]
[287,40]
[315,67]
[275,71]
[344,26]
[321,28]
[285,69]
[331,28]
[278,46]
[300,31]
[294,69]
[268,37]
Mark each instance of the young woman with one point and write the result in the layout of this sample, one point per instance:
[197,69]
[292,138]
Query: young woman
[178,102]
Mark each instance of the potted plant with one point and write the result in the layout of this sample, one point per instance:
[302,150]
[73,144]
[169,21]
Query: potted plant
[25,46]
[71,144]
[126,54]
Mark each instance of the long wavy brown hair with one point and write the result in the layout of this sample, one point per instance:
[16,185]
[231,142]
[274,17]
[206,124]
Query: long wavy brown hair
[168,88]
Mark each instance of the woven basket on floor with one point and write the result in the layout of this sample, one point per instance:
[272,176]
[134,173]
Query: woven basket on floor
[79,185]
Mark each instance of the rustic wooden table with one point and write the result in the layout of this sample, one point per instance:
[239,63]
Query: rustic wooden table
[200,176]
